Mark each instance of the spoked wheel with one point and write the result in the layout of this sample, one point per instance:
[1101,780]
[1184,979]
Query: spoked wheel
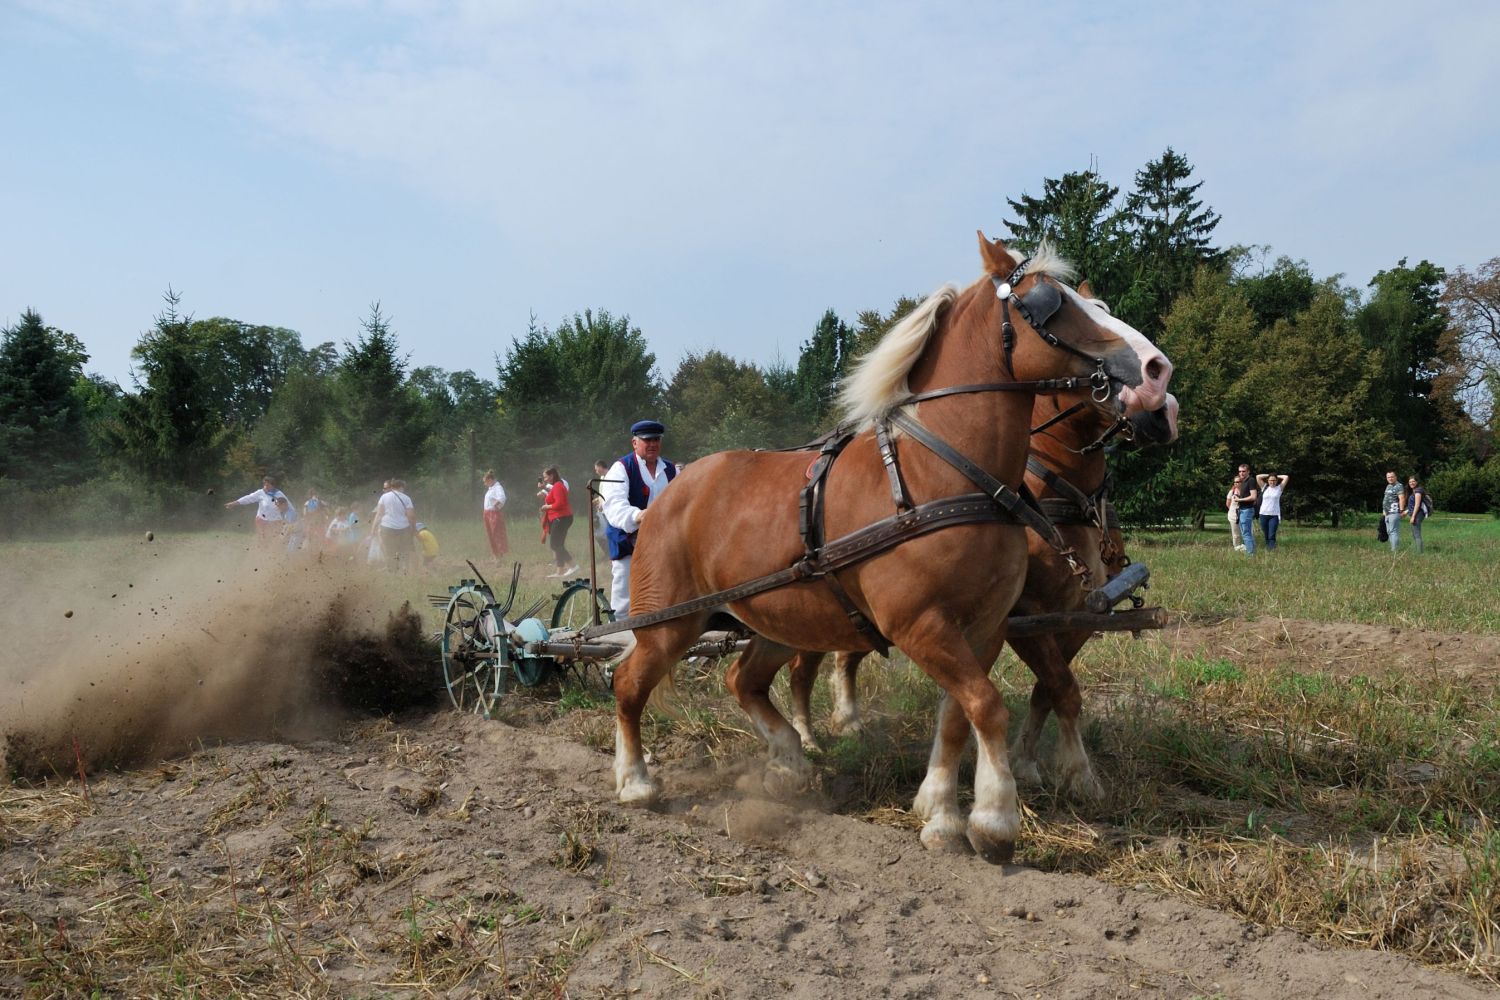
[575,610]
[471,654]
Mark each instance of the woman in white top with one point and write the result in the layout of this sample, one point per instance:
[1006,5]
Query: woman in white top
[494,515]
[397,524]
[1271,487]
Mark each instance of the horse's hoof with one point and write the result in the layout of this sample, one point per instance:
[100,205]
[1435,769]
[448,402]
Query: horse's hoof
[1081,786]
[643,794]
[783,782]
[996,853]
[992,834]
[946,834]
[847,727]
[1025,771]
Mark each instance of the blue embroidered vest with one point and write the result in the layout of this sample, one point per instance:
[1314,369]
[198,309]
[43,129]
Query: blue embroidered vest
[622,543]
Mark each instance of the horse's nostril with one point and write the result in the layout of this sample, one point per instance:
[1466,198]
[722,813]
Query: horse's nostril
[1156,370]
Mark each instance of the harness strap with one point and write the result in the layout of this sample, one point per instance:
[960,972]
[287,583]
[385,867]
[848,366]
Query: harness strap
[855,547]
[889,459]
[1059,418]
[1007,498]
[1074,498]
[1036,385]
[810,500]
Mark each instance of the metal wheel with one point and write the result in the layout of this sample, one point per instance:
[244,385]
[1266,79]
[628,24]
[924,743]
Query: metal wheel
[472,636]
[573,610]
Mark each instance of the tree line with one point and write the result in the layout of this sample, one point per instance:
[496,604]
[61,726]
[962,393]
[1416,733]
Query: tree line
[1275,366]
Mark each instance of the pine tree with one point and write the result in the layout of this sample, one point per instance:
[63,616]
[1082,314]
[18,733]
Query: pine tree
[1079,216]
[42,437]
[1171,234]
[824,359]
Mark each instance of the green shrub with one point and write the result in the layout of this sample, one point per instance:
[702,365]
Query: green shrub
[1466,488]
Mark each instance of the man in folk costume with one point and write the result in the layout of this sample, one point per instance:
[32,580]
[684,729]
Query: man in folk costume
[629,487]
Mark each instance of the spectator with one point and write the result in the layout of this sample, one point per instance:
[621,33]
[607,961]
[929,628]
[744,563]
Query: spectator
[396,521]
[632,483]
[268,519]
[596,503]
[557,518]
[1247,493]
[1392,503]
[1271,487]
[1232,504]
[494,515]
[337,532]
[1418,506]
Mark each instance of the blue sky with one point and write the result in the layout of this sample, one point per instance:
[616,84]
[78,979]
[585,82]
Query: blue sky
[720,173]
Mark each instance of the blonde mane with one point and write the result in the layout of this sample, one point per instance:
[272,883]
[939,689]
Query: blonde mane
[877,382]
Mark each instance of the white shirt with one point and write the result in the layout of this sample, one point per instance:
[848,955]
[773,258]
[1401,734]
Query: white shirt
[616,495]
[266,501]
[392,509]
[1270,501]
[494,497]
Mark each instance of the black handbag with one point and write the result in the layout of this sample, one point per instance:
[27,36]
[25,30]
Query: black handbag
[1380,531]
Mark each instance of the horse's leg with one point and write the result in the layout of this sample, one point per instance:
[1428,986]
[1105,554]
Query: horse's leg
[1075,775]
[1039,654]
[963,672]
[656,649]
[937,798]
[749,679]
[1056,690]
[845,718]
[802,672]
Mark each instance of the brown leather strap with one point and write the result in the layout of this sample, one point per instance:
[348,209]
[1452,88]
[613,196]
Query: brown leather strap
[890,460]
[857,546]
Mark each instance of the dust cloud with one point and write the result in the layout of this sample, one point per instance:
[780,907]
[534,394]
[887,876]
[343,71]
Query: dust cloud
[154,649]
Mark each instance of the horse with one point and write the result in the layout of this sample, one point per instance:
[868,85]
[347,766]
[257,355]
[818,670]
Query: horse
[956,378]
[1069,475]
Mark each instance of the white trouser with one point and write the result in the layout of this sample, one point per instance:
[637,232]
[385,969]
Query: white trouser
[619,589]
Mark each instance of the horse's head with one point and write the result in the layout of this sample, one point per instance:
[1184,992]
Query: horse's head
[1069,333]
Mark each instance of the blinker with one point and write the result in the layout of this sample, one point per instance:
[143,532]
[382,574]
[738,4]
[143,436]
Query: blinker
[1040,304]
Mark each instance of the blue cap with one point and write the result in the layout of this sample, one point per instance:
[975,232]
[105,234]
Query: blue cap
[647,429]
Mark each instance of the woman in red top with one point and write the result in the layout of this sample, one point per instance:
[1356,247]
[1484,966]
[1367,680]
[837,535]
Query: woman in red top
[557,518]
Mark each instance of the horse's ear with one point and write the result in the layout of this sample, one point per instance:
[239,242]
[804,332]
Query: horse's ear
[997,259]
[1086,290]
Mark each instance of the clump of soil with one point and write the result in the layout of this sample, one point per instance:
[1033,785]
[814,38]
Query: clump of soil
[375,674]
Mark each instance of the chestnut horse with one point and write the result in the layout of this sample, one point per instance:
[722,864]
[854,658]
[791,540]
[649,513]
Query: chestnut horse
[1065,448]
[941,596]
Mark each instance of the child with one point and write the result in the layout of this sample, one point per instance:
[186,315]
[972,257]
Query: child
[429,543]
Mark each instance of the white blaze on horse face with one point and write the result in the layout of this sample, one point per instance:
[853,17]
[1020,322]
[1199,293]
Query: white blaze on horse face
[1156,369]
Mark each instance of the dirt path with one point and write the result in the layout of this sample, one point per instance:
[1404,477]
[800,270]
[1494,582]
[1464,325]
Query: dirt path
[485,860]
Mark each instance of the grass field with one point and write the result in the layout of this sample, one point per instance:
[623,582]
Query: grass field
[1359,805]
